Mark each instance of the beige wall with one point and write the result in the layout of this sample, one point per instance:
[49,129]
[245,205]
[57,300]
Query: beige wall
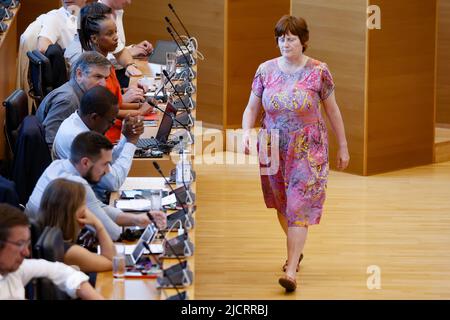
[443,63]
[338,37]
[249,42]
[401,64]
[204,19]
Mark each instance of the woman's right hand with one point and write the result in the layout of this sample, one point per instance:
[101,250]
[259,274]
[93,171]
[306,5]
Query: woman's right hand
[85,216]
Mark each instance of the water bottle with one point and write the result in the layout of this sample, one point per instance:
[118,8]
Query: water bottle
[183,171]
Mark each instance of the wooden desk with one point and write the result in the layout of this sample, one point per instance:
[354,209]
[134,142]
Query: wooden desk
[143,289]
[142,167]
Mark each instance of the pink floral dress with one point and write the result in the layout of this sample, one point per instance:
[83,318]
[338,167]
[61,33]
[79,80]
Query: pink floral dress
[292,144]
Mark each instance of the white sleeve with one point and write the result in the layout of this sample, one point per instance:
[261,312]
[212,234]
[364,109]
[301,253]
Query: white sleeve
[50,28]
[64,277]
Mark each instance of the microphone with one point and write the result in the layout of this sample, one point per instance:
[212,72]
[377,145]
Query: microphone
[176,91]
[189,63]
[158,168]
[179,20]
[173,119]
[167,241]
[179,37]
[169,277]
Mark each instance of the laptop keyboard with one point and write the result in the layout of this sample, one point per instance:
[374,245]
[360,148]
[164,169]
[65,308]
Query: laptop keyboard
[146,143]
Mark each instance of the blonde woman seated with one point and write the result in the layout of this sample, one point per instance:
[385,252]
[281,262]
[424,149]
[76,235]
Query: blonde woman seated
[63,205]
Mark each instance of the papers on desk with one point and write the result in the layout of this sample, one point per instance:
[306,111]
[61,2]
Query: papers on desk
[166,201]
[143,183]
[156,248]
[134,205]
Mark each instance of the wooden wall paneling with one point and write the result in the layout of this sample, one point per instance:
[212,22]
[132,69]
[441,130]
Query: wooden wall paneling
[8,56]
[401,86]
[338,37]
[443,63]
[204,19]
[249,42]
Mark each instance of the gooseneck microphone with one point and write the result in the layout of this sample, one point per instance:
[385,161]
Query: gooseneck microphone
[176,91]
[178,35]
[173,118]
[158,168]
[169,277]
[179,20]
[178,45]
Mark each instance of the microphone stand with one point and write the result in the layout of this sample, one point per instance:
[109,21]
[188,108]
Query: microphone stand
[179,20]
[174,119]
[189,63]
[178,95]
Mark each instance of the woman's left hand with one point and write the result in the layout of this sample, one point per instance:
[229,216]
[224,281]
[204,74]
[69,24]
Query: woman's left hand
[343,158]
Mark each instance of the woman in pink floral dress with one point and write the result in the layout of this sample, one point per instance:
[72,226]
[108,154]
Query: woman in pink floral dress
[292,144]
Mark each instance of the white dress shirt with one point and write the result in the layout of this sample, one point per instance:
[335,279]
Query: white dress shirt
[64,277]
[65,169]
[122,156]
[59,26]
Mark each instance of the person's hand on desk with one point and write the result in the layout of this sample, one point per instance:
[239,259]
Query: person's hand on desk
[132,128]
[133,94]
[142,219]
[144,108]
[160,218]
[131,70]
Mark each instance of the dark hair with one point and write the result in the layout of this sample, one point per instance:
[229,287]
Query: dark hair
[97,100]
[88,144]
[294,25]
[10,217]
[90,18]
[61,214]
[88,59]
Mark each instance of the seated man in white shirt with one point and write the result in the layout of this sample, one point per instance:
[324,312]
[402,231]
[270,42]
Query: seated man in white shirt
[90,159]
[60,25]
[97,112]
[16,271]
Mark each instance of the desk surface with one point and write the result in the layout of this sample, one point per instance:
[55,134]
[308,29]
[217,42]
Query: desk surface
[143,289]
[142,167]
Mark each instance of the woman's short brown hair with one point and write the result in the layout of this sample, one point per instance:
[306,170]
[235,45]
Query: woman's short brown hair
[60,201]
[294,25]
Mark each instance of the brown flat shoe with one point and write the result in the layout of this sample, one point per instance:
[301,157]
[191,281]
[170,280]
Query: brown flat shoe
[288,283]
[298,265]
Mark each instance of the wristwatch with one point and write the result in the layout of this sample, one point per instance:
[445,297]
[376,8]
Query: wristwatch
[130,64]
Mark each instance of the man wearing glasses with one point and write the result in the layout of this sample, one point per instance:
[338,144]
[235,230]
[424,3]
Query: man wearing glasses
[16,271]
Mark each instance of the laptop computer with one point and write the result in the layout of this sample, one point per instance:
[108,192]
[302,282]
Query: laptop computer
[158,56]
[163,131]
[147,236]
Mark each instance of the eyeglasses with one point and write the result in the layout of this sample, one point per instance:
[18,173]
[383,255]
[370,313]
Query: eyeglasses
[20,244]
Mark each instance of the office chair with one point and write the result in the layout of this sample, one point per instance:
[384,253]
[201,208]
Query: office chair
[32,157]
[39,76]
[49,246]
[16,107]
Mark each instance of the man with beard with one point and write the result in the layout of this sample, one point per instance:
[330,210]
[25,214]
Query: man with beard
[90,159]
[97,112]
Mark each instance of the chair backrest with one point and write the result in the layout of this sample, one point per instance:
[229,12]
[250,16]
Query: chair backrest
[16,106]
[32,157]
[39,76]
[50,246]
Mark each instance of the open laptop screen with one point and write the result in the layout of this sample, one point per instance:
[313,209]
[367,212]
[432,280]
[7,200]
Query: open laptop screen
[166,123]
[158,55]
